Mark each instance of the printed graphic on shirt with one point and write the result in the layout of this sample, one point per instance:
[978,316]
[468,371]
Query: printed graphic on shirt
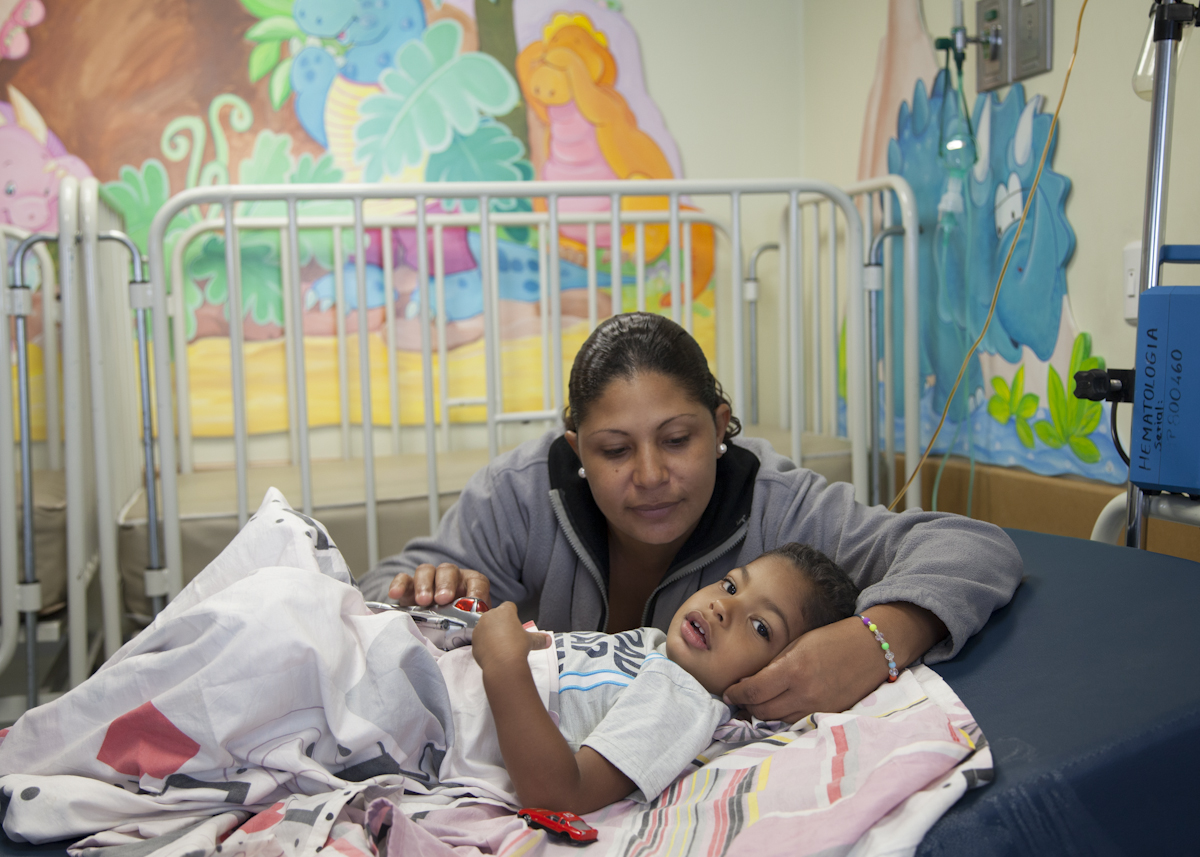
[591,660]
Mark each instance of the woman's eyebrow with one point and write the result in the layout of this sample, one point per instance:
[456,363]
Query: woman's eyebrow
[770,602]
[626,434]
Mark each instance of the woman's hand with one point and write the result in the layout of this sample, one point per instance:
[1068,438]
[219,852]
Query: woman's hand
[499,639]
[428,585]
[832,668]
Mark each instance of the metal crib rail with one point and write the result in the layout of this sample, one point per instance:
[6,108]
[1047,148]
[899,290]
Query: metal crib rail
[438,222]
[227,197]
[800,414]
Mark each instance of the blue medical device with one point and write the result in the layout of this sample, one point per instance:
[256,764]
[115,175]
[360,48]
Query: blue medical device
[1164,452]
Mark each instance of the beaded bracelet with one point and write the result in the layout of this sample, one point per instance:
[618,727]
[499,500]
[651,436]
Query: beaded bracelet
[893,672]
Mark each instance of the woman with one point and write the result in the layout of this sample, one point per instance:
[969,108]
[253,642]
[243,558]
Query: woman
[645,498]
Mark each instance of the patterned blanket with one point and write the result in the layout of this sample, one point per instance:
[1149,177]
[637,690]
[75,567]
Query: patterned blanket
[266,711]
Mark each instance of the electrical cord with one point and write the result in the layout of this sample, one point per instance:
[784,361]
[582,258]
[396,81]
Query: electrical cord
[1000,280]
[1116,438]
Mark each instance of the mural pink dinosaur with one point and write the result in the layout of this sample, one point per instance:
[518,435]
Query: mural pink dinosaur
[17,16]
[32,160]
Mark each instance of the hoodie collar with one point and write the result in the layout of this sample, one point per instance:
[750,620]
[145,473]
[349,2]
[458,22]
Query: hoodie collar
[728,509]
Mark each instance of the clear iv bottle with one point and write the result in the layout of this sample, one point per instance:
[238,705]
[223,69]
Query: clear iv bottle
[1143,75]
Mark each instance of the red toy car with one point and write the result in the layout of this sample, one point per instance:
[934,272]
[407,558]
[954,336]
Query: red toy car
[566,824]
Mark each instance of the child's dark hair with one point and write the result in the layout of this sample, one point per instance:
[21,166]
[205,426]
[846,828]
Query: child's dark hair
[833,592]
[634,342]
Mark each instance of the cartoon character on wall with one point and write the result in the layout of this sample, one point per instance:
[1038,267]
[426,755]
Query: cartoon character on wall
[328,94]
[32,160]
[589,133]
[971,181]
[17,16]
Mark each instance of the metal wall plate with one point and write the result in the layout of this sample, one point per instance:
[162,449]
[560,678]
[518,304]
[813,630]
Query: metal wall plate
[1025,45]
[1032,28]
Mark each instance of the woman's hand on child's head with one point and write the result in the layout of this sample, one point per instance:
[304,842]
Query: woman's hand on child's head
[438,585]
[833,667]
[827,669]
[501,639]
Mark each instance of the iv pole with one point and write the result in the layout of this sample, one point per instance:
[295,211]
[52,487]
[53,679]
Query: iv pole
[1169,21]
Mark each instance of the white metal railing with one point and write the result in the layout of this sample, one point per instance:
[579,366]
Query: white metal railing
[812,404]
[17,595]
[548,223]
[86,328]
[114,408]
[437,223]
[49,451]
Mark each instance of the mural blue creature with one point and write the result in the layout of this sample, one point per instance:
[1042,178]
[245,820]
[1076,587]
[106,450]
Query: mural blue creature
[970,180]
[372,30]
[519,268]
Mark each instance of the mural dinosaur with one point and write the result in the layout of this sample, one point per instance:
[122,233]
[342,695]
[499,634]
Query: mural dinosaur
[589,133]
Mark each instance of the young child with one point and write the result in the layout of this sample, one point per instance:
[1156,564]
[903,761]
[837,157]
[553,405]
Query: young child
[633,709]
[268,677]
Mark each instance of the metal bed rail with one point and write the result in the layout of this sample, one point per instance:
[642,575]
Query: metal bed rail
[48,453]
[20,596]
[115,406]
[437,223]
[811,404]
[226,198]
[81,330]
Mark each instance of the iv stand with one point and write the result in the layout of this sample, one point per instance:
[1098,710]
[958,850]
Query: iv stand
[1168,30]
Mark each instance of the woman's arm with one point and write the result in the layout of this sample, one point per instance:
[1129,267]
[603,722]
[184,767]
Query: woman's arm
[543,769]
[956,568]
[929,581]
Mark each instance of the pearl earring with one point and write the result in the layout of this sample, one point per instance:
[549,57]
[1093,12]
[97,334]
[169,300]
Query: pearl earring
[722,449]
[582,473]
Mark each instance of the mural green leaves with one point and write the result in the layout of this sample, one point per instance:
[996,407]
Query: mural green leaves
[492,153]
[276,29]
[138,195]
[1071,419]
[268,8]
[433,92]
[262,295]
[1013,403]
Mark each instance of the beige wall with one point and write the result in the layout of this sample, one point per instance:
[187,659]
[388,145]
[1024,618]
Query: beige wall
[780,89]
[1104,131]
[727,77]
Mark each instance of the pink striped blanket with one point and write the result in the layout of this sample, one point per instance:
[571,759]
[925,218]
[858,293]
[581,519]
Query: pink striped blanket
[185,745]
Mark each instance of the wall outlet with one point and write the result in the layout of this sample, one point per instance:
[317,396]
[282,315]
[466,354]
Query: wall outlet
[1031,23]
[1018,41]
[1131,276]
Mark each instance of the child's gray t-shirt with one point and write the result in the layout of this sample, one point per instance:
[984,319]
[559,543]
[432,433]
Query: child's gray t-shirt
[620,695]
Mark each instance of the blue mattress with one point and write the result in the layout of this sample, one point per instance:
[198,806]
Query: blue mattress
[1086,688]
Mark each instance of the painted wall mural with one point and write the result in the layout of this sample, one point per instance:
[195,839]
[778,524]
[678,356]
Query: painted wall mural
[154,100]
[971,180]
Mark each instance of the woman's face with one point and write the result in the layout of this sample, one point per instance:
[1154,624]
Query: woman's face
[650,453]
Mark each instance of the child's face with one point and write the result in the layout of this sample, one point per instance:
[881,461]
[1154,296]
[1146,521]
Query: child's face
[736,626]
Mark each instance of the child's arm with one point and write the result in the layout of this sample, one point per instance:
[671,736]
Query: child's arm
[544,770]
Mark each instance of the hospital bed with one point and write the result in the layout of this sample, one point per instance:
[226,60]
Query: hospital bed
[1082,688]
[83,435]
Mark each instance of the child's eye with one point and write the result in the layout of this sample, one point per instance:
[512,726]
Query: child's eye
[760,628]
[729,586]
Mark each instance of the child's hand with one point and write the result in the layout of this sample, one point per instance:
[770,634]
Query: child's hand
[499,640]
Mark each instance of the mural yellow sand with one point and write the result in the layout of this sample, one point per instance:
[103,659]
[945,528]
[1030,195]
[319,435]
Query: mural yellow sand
[266,394]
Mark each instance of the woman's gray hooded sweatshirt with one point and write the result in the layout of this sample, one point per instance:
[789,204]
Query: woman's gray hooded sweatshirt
[529,522]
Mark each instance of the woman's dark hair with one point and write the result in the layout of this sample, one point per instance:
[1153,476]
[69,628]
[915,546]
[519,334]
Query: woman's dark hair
[833,592]
[634,342]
